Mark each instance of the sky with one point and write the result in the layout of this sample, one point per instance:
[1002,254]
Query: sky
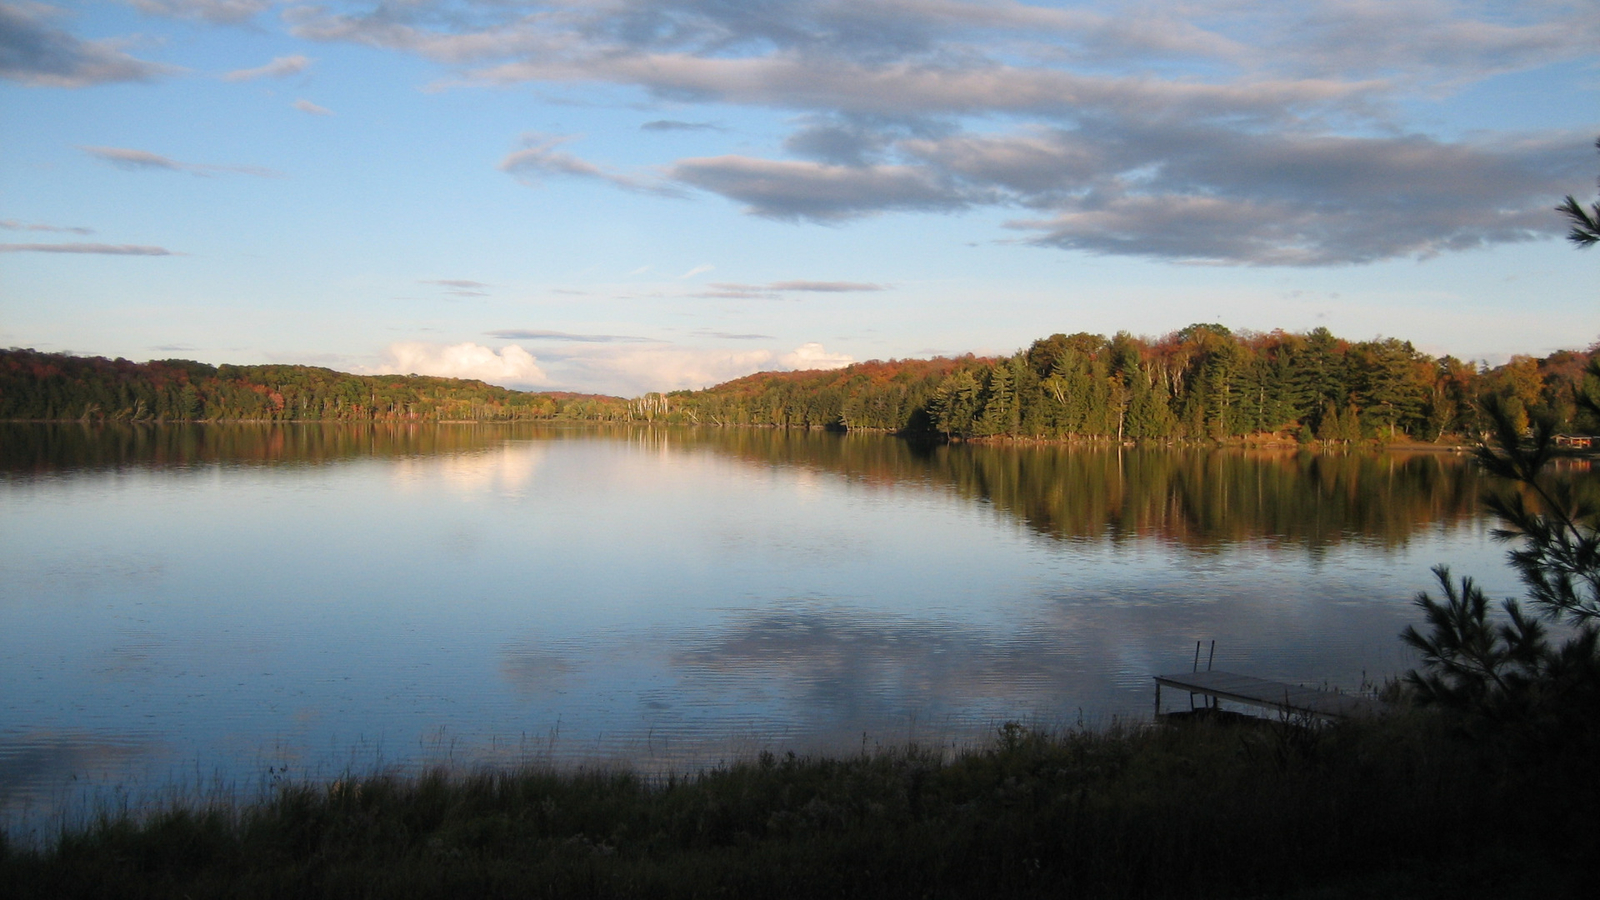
[623,196]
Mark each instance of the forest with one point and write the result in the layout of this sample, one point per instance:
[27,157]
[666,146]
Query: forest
[1203,382]
[60,387]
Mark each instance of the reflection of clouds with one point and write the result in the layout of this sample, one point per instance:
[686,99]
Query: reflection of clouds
[504,470]
[844,671]
[136,655]
[533,668]
[50,578]
[34,765]
[1295,631]
[798,545]
[847,671]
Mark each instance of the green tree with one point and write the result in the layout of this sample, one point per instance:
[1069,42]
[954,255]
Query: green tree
[1512,670]
[1319,373]
[1391,385]
[1585,230]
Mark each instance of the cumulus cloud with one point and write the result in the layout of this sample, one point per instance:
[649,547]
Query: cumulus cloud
[1186,191]
[793,190]
[636,370]
[35,54]
[510,366]
[103,249]
[280,67]
[144,160]
[306,106]
[813,356]
[657,44]
[1316,200]
[639,371]
[1183,130]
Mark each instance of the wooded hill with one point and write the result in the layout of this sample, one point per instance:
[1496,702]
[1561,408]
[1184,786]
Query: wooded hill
[1203,382]
[55,386]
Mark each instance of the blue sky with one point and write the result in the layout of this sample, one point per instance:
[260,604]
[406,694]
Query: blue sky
[635,195]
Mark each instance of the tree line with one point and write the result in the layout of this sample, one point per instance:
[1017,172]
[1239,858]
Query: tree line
[1204,382]
[58,387]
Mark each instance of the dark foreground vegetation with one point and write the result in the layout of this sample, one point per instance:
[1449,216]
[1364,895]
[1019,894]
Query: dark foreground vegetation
[1415,806]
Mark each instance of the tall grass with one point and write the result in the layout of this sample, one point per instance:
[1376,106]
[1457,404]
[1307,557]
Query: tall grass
[1399,806]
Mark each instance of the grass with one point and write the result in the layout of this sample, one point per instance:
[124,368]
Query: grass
[1404,806]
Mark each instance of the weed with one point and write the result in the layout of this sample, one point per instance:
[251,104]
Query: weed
[1211,809]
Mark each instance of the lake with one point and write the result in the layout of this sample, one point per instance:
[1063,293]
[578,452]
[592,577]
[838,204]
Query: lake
[210,607]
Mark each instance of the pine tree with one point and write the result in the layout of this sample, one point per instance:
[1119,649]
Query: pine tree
[1510,672]
[1585,231]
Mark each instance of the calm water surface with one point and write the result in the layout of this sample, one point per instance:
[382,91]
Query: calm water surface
[202,605]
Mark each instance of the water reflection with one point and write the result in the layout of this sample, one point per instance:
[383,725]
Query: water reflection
[663,595]
[1197,498]
[34,764]
[532,667]
[68,447]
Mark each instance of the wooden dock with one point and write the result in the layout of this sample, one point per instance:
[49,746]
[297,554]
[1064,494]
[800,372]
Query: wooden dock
[1277,696]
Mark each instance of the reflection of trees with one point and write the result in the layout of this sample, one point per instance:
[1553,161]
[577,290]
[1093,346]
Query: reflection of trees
[1208,497]
[35,447]
[1192,497]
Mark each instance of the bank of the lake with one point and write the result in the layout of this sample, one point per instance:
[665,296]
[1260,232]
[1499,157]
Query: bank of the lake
[1408,805]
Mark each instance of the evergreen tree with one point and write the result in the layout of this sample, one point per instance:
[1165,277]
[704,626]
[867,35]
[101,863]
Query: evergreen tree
[1585,231]
[1510,672]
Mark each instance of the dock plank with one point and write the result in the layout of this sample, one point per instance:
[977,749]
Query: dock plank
[1274,695]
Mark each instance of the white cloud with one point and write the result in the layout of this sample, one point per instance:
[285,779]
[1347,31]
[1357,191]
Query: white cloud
[633,371]
[787,189]
[510,366]
[281,67]
[1276,133]
[306,106]
[813,356]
